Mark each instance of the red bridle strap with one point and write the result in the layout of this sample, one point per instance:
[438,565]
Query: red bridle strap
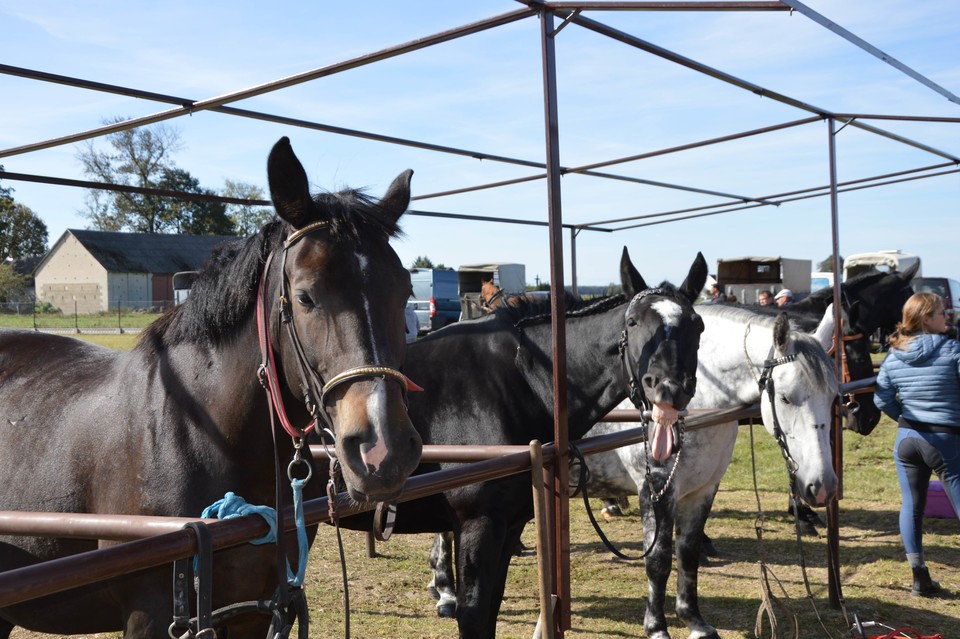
[268,365]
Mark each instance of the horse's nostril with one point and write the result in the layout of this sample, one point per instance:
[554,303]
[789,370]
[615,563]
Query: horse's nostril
[650,381]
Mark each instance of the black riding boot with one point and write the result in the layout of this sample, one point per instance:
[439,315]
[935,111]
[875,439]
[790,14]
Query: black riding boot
[923,585]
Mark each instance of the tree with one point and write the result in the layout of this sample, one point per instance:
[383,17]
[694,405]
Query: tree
[425,262]
[139,158]
[193,217]
[22,233]
[247,218]
[12,284]
[826,265]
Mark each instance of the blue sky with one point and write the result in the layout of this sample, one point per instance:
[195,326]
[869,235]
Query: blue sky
[484,93]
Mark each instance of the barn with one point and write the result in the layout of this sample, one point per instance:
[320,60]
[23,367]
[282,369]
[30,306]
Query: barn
[93,271]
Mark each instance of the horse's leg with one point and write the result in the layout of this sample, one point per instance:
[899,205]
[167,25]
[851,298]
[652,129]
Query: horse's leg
[480,550]
[443,587]
[691,515]
[658,540]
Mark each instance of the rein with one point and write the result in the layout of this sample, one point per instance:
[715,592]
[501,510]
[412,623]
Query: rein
[766,384]
[641,402]
[315,393]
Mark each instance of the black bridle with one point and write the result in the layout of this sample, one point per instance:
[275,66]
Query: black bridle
[765,382]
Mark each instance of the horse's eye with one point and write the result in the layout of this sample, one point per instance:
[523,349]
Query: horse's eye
[631,322]
[783,398]
[304,299]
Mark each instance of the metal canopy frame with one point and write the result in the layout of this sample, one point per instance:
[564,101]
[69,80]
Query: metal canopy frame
[550,170]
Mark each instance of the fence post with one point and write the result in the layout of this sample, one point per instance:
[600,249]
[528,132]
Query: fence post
[119,325]
[35,316]
[76,317]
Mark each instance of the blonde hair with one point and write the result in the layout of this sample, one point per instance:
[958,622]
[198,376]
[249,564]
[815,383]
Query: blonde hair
[919,305]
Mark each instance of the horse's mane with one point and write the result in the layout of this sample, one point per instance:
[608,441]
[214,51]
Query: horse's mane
[528,312]
[225,291]
[856,284]
[815,364]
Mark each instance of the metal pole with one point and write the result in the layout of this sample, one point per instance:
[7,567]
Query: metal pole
[561,546]
[836,430]
[545,623]
[573,260]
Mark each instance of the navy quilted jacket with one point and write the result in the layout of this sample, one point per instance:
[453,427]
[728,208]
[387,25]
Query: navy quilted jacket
[923,382]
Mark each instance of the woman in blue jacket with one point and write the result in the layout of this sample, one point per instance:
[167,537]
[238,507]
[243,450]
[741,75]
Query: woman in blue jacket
[919,387]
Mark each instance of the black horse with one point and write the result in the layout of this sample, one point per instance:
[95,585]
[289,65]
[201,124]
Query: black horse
[870,303]
[171,426]
[489,381]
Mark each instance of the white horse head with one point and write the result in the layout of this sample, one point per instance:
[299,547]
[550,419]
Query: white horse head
[735,345]
[799,387]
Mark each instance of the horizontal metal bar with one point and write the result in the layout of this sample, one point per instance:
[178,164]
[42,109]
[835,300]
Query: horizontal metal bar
[651,5]
[219,101]
[823,21]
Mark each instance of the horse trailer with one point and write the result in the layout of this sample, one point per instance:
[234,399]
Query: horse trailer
[510,277]
[886,261]
[745,277]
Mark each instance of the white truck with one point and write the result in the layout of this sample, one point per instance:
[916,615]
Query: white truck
[509,276]
[745,277]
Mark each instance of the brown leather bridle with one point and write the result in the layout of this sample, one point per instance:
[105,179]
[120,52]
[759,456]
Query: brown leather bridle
[315,391]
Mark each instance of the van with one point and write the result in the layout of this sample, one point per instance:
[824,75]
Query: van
[947,289]
[435,298]
[820,280]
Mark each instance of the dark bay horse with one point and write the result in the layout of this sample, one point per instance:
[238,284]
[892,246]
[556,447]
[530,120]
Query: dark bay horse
[489,381]
[169,427]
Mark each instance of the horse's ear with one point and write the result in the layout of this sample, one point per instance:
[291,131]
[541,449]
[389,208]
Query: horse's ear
[397,198]
[911,272]
[781,333]
[824,332]
[696,278]
[630,278]
[289,189]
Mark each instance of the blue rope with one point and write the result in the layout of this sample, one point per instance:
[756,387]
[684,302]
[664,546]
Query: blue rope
[235,506]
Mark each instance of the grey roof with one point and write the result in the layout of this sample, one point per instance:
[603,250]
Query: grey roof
[148,252]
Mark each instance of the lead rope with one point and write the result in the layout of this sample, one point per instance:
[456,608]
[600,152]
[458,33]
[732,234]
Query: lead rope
[766,384]
[335,520]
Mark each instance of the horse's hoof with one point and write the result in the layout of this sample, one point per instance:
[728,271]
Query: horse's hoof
[707,548]
[709,635]
[610,513]
[449,610]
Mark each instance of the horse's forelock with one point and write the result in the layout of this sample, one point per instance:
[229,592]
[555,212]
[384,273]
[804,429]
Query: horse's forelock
[813,361]
[353,213]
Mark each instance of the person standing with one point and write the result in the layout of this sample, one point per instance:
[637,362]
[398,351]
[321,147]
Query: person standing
[765,298]
[413,324]
[919,387]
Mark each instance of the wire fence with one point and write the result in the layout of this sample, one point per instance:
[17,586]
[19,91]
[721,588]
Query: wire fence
[131,316]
